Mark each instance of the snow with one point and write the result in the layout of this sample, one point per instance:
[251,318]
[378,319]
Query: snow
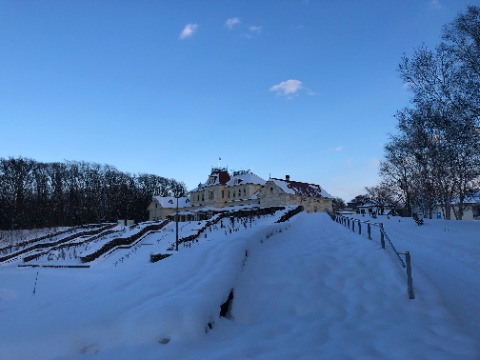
[170,202]
[298,188]
[305,289]
[245,178]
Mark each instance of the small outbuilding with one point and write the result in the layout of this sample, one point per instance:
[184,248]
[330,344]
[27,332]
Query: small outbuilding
[163,206]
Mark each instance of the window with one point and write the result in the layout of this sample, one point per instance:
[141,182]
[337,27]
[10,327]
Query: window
[198,197]
[203,197]
[228,193]
[210,195]
[244,191]
[239,192]
[223,194]
[271,189]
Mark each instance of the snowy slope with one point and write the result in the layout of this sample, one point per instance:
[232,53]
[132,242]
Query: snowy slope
[446,255]
[305,289]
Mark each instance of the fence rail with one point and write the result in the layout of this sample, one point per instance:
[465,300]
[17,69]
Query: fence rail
[384,239]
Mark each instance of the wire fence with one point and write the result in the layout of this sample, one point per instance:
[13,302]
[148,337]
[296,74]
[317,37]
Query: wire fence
[356,225]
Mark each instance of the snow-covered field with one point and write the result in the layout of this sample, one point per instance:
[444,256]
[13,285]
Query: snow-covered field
[305,289]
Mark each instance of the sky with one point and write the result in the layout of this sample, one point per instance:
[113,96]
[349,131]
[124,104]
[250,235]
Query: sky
[297,87]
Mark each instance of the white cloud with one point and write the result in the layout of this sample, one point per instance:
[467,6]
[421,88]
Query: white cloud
[336,149]
[288,87]
[252,31]
[255,29]
[188,31]
[436,5]
[231,22]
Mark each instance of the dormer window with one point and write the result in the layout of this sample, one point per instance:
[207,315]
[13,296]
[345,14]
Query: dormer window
[211,180]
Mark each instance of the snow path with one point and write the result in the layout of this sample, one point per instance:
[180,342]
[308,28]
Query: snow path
[309,289]
[338,296]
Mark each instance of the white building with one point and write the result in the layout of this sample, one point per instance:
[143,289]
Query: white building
[471,210]
[241,188]
[279,192]
[163,206]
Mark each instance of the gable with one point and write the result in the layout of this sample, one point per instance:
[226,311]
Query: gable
[299,188]
[170,202]
[246,179]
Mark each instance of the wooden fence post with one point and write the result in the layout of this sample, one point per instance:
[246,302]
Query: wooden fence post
[369,231]
[382,236]
[408,260]
[360,228]
[353,225]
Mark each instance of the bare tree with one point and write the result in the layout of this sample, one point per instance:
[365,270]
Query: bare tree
[436,156]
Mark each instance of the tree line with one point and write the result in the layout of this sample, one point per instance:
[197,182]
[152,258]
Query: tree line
[36,194]
[434,158]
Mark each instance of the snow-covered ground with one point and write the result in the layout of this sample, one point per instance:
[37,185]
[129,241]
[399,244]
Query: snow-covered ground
[305,289]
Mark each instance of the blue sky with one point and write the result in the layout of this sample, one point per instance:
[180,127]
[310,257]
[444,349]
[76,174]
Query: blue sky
[305,88]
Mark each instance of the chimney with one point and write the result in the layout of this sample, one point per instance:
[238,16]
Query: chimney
[287,177]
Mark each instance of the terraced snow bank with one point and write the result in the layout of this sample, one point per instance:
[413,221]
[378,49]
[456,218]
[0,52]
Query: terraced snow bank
[305,289]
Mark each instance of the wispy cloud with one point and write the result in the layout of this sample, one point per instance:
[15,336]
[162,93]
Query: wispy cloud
[336,149]
[407,85]
[255,29]
[231,22]
[374,163]
[188,31]
[287,88]
[436,5]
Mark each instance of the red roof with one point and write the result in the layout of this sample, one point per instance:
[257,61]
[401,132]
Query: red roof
[299,188]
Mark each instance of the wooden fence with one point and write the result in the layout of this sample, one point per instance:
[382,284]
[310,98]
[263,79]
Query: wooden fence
[356,225]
